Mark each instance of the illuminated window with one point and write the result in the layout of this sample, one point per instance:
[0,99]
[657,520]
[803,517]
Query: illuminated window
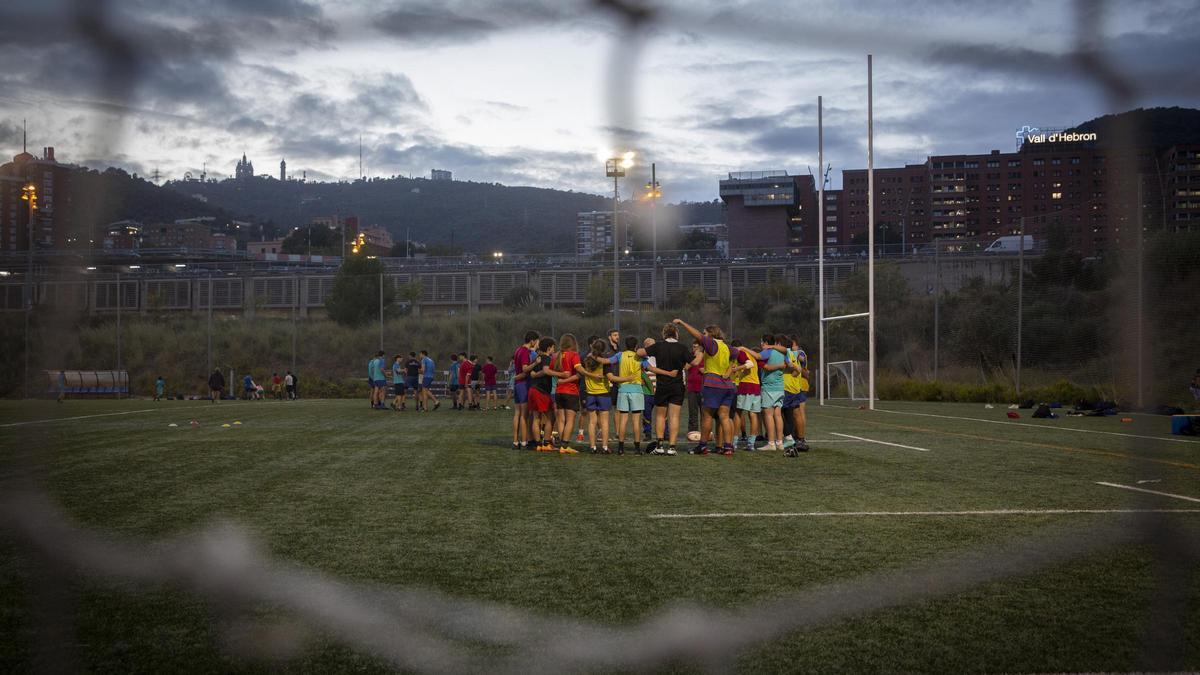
[1055,195]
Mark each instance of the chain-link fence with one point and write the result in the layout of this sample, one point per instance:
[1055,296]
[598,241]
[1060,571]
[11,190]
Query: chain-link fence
[1050,325]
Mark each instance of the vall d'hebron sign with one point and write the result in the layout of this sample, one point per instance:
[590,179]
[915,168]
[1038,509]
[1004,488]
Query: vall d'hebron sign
[1029,134]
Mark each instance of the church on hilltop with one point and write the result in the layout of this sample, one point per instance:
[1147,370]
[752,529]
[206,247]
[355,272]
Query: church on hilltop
[245,169]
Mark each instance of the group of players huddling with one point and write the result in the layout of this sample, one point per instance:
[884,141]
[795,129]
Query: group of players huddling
[743,396]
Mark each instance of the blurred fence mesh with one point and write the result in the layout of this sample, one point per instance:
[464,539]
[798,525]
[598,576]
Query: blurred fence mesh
[1123,328]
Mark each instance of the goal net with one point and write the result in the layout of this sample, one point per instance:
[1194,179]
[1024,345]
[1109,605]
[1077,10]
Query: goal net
[847,380]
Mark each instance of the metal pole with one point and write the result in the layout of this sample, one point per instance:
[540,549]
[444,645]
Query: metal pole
[381,311]
[870,237]
[730,268]
[653,234]
[295,311]
[210,308]
[120,301]
[1020,299]
[937,299]
[1138,331]
[616,261]
[821,252]
[31,194]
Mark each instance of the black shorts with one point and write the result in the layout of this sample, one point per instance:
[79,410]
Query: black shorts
[567,401]
[668,396]
[398,388]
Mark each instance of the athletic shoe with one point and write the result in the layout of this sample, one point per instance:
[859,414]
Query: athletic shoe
[671,451]
[791,452]
[564,450]
[788,442]
[594,450]
[701,449]
[802,445]
[516,446]
[437,404]
[727,450]
[620,448]
[606,451]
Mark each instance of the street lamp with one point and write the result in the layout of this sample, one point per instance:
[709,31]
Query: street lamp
[653,192]
[614,168]
[29,194]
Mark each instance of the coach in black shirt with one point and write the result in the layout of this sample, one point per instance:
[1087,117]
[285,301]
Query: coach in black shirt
[670,358]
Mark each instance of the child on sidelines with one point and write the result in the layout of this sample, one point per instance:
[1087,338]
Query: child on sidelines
[398,388]
[795,393]
[596,384]
[160,388]
[522,359]
[277,386]
[566,396]
[452,383]
[489,383]
[540,402]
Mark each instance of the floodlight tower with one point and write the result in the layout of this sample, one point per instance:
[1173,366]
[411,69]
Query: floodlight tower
[614,168]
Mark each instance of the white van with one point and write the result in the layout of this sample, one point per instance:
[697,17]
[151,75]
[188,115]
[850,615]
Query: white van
[1010,244]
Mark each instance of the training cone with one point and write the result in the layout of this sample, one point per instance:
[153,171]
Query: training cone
[1013,415]
[172,424]
[988,406]
[226,426]
[236,423]
[1126,420]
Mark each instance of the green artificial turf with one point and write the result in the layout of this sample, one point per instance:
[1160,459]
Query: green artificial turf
[439,500]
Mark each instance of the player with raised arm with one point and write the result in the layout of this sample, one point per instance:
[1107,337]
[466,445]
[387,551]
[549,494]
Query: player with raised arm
[717,392]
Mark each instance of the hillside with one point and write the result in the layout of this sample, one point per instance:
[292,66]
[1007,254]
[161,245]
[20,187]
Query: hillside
[478,216]
[1158,128]
[102,197]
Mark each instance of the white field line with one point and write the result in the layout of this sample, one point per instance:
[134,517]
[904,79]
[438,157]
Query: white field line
[869,440]
[1151,492]
[210,406]
[1039,427]
[78,417]
[868,514]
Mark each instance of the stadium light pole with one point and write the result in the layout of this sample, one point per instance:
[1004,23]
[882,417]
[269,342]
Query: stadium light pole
[870,237]
[29,195]
[821,254]
[614,168]
[654,193]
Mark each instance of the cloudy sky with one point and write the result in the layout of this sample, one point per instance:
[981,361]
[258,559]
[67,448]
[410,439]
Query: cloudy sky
[532,92]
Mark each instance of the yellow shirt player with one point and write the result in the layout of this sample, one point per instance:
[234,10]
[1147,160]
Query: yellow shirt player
[795,393]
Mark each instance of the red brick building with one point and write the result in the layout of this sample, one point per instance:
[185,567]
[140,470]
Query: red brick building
[769,210]
[51,220]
